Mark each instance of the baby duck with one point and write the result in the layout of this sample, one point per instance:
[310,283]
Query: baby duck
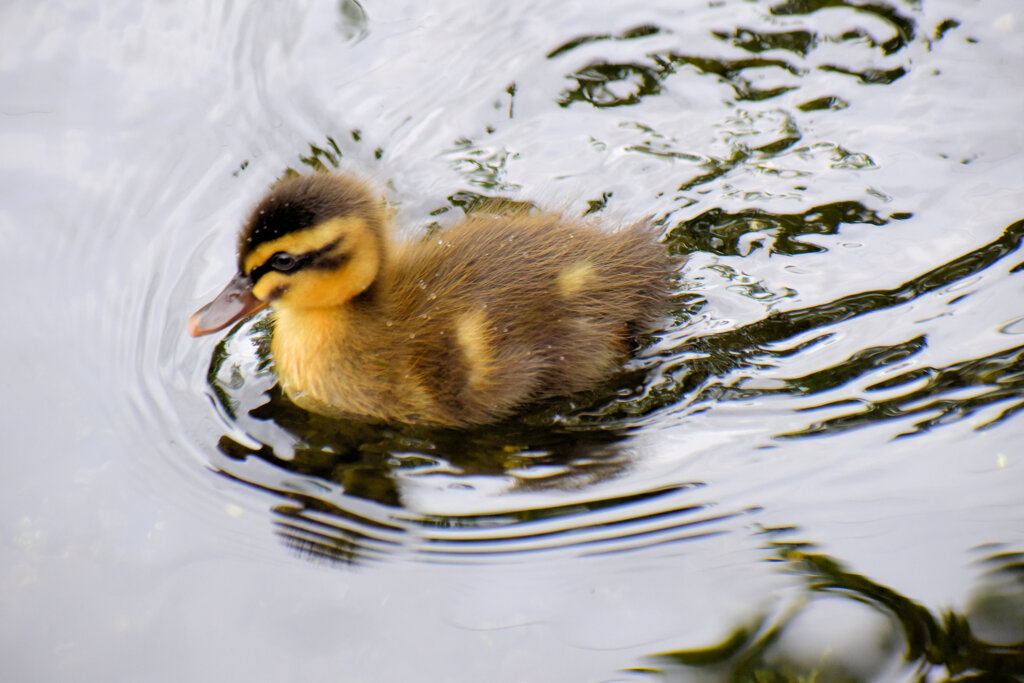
[459,328]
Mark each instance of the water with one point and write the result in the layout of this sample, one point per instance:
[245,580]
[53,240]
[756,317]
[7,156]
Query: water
[815,469]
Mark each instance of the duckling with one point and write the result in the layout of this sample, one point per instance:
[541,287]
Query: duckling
[459,328]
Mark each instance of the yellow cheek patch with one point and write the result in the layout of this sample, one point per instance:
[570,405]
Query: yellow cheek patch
[473,339]
[575,279]
[303,241]
[319,288]
[268,283]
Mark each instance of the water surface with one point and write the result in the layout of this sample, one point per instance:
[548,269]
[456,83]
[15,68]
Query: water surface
[814,469]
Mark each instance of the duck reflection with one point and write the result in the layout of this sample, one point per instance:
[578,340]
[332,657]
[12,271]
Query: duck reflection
[353,491]
[368,458]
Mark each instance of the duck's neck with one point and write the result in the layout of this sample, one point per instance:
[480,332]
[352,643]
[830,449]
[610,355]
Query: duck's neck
[303,339]
[316,349]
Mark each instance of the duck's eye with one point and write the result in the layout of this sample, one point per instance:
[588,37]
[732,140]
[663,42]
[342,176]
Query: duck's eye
[283,261]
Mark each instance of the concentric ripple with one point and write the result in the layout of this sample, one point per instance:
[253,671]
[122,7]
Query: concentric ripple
[823,296]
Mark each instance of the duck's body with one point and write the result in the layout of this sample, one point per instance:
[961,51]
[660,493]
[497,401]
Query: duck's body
[459,328]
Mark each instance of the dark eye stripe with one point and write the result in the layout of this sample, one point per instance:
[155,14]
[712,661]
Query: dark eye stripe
[329,262]
[315,259]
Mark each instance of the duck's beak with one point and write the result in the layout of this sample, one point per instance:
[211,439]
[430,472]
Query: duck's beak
[234,303]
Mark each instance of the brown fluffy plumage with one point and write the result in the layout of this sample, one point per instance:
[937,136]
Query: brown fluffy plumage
[459,328]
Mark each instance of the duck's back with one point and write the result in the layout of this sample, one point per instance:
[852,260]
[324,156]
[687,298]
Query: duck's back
[498,311]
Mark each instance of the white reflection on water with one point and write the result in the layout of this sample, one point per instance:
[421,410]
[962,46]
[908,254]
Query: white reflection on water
[135,136]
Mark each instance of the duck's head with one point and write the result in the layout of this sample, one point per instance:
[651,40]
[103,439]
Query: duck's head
[314,241]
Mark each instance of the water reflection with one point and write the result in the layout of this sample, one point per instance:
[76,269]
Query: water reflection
[719,232]
[724,367]
[618,84]
[847,627]
[331,469]
[348,493]
[348,483]
[351,490]
[842,174]
[558,480]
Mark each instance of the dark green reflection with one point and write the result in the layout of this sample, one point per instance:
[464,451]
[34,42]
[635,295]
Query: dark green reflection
[637,32]
[832,103]
[693,368]
[719,232]
[800,42]
[604,83]
[870,76]
[905,26]
[986,642]
[997,378]
[621,84]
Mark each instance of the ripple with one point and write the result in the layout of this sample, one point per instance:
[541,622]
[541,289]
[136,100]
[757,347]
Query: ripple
[702,359]
[584,528]
[748,350]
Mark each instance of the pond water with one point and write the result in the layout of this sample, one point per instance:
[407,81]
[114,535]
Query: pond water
[814,471]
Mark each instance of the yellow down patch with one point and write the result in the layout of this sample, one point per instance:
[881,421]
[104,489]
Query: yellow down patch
[471,333]
[575,279]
